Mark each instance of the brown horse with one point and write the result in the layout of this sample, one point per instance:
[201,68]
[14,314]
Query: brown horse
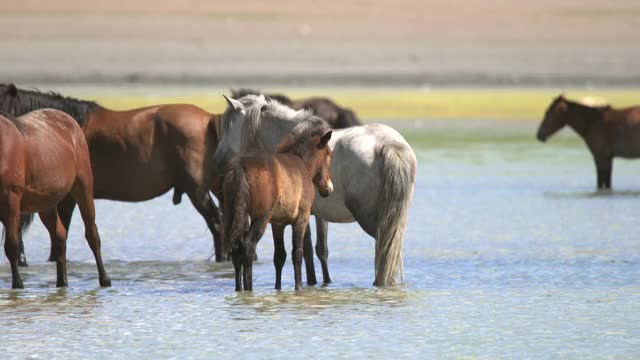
[44,159]
[139,154]
[337,117]
[606,131]
[277,189]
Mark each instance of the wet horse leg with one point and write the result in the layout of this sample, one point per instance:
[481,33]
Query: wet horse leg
[58,235]
[256,230]
[65,212]
[82,193]
[236,258]
[308,257]
[203,203]
[280,253]
[322,250]
[11,222]
[297,252]
[604,167]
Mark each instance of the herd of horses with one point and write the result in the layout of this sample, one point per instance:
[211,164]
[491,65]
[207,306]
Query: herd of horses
[264,159]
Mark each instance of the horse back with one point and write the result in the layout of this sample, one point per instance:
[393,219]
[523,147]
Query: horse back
[622,128]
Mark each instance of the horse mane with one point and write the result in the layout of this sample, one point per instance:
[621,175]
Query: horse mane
[297,141]
[281,98]
[30,100]
[259,108]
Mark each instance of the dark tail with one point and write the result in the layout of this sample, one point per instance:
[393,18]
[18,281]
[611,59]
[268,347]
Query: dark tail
[236,201]
[347,118]
[25,222]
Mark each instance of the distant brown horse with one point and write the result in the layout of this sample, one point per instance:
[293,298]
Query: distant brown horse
[277,189]
[44,159]
[139,154]
[606,131]
[337,117]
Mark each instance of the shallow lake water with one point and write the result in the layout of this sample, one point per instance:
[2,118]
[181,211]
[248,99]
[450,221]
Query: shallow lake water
[509,253]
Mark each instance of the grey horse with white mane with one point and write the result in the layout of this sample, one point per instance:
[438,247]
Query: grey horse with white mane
[373,173]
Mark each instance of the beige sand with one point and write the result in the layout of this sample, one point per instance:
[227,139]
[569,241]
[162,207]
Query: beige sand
[409,42]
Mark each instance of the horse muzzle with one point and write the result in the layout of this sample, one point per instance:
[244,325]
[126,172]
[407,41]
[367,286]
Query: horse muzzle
[326,191]
[541,137]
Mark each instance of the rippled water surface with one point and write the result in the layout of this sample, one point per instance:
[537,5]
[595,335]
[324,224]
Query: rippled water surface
[509,252]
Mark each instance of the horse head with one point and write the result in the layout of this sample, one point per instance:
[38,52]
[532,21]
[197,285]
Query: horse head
[554,118]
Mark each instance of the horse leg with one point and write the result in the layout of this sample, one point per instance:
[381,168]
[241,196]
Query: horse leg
[256,230]
[82,193]
[22,261]
[65,212]
[308,257]
[203,203]
[604,167]
[58,235]
[11,221]
[297,252]
[236,257]
[280,253]
[322,250]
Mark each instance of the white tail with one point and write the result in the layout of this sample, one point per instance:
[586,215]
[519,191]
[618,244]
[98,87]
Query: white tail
[399,173]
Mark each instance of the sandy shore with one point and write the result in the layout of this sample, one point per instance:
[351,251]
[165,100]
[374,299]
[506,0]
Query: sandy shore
[318,43]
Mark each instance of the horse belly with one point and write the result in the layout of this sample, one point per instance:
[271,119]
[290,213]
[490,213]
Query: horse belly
[125,178]
[332,209]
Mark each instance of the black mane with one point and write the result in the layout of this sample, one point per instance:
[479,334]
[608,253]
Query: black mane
[30,100]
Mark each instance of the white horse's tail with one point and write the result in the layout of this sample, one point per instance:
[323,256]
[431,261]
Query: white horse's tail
[398,178]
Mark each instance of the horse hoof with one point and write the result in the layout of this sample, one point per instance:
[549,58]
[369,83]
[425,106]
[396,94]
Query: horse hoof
[105,282]
[312,282]
[22,262]
[17,285]
[51,258]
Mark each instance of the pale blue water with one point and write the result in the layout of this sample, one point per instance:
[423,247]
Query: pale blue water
[509,253]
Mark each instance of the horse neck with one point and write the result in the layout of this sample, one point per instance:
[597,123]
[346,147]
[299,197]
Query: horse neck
[581,117]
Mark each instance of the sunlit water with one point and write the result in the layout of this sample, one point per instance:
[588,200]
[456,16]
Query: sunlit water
[509,253]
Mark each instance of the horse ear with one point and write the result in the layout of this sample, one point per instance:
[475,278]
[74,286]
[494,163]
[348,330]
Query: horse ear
[12,90]
[235,104]
[324,140]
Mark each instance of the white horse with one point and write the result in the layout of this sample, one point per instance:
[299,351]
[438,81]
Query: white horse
[373,173]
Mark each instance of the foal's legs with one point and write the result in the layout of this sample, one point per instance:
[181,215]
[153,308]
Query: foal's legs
[298,230]
[604,166]
[322,250]
[256,230]
[308,257]
[82,193]
[11,221]
[280,253]
[58,235]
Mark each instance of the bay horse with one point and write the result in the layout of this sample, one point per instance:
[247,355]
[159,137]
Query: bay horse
[278,189]
[336,116]
[45,158]
[607,132]
[373,172]
[140,154]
